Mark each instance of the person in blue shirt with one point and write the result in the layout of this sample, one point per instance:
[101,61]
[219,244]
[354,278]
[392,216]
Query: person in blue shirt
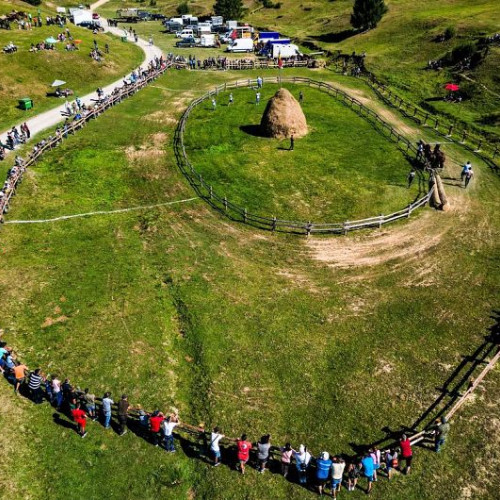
[323,468]
[368,467]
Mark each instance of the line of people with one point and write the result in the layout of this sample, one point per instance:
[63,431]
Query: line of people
[323,472]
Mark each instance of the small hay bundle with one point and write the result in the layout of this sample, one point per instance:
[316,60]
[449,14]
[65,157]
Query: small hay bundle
[283,117]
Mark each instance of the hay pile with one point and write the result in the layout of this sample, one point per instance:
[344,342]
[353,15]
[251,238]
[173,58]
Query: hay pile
[283,117]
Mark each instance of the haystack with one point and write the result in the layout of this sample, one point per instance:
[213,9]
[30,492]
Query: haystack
[283,117]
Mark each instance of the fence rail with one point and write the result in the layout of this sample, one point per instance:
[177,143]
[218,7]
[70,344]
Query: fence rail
[452,130]
[241,214]
[71,128]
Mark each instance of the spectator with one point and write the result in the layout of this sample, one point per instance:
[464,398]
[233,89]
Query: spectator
[442,430]
[468,176]
[215,437]
[391,462]
[286,457]
[154,425]
[368,470]
[106,409]
[352,476]
[302,460]
[406,452]
[34,384]
[244,448]
[375,454]
[263,447]
[19,375]
[80,418]
[89,400]
[168,426]
[56,390]
[411,177]
[465,169]
[123,406]
[323,468]
[257,98]
[338,467]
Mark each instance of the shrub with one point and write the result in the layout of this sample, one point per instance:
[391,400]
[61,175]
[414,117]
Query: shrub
[183,8]
[460,52]
[449,32]
[367,13]
[34,2]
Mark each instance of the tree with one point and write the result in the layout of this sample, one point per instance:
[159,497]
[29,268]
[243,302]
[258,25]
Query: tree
[229,9]
[183,8]
[367,13]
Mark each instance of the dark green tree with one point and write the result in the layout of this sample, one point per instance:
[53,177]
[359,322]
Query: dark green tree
[229,9]
[367,13]
[183,8]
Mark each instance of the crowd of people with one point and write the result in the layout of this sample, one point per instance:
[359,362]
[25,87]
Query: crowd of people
[321,472]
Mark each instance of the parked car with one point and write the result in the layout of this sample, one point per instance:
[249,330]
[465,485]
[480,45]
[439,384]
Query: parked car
[158,17]
[187,42]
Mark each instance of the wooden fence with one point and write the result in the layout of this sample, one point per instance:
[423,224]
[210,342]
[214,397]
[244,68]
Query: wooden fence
[71,128]
[235,212]
[454,131]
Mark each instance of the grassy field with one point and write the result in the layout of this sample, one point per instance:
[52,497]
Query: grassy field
[323,341]
[323,180]
[397,50]
[31,74]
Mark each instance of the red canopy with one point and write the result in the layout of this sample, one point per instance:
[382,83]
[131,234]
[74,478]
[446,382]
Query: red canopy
[453,87]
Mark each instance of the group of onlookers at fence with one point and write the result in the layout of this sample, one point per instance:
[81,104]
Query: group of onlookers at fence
[323,471]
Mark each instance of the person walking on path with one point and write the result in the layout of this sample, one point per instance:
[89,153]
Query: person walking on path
[89,400]
[323,468]
[442,430]
[19,376]
[302,460]
[244,448]
[215,437]
[338,467]
[406,452]
[168,426]
[292,143]
[368,470]
[286,457]
[34,384]
[468,176]
[260,81]
[80,418]
[123,406]
[411,177]
[106,409]
[155,425]
[263,447]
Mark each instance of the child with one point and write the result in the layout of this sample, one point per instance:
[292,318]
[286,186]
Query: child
[352,477]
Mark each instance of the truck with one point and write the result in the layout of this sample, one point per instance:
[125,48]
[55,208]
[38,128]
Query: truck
[81,16]
[217,21]
[266,36]
[207,40]
[231,25]
[189,19]
[241,45]
[285,50]
[203,29]
[174,24]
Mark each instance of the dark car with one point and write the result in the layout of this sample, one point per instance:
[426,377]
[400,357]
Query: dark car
[187,42]
[158,17]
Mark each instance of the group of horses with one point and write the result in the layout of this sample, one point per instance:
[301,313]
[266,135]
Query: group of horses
[434,158]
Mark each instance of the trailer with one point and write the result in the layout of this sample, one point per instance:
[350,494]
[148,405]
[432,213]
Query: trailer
[285,51]
[241,45]
[266,36]
[207,40]
[81,16]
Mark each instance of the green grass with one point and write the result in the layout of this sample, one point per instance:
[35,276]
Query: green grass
[31,74]
[236,327]
[342,170]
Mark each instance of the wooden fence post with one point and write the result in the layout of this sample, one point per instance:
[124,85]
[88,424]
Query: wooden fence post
[480,143]
[308,229]
[245,215]
[436,124]
[425,118]
[450,131]
[224,201]
[274,223]
[464,137]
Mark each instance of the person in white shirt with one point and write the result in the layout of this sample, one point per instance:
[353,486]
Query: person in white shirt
[168,426]
[215,437]
[337,474]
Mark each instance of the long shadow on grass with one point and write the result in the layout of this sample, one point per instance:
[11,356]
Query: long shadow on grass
[452,389]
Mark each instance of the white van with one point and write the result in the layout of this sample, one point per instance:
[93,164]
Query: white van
[185,33]
[241,45]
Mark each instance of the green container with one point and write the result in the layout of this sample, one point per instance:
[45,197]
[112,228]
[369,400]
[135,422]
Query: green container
[26,103]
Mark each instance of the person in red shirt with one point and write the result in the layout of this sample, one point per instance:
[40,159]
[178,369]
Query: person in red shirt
[80,417]
[244,448]
[406,452]
[155,424]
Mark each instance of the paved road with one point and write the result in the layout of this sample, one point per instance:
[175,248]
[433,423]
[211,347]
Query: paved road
[53,116]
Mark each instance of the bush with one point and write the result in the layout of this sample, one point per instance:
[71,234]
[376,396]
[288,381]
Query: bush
[183,8]
[152,3]
[449,32]
[367,13]
[460,52]
[34,2]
